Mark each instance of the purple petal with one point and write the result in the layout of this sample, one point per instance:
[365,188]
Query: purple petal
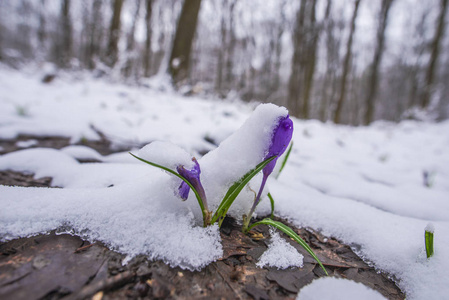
[282,135]
[193,177]
[184,190]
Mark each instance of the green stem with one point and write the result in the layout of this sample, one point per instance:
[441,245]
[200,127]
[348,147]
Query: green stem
[429,243]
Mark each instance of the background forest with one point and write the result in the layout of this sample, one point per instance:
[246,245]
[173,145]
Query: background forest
[351,62]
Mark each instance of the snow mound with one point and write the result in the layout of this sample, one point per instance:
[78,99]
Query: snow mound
[330,288]
[280,254]
[237,155]
[166,154]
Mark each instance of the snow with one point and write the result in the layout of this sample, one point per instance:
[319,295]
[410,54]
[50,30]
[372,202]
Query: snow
[166,154]
[26,144]
[280,254]
[237,155]
[365,186]
[430,228]
[337,288]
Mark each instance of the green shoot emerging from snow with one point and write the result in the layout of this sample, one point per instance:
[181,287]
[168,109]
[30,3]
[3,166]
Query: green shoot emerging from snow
[429,239]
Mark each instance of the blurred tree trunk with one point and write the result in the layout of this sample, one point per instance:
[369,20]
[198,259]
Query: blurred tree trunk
[224,81]
[435,52]
[114,35]
[147,49]
[278,47]
[295,82]
[332,44]
[95,34]
[185,31]
[419,49]
[1,38]
[229,78]
[221,51]
[312,38]
[346,65]
[41,31]
[305,38]
[66,42]
[375,65]
[130,44]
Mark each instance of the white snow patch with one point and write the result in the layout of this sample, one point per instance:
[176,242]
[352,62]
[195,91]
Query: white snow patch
[330,288]
[280,254]
[26,144]
[430,228]
[134,218]
[166,154]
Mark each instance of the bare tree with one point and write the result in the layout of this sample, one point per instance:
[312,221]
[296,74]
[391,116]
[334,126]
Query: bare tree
[41,31]
[229,75]
[278,46]
[225,76]
[311,50]
[130,43]
[62,48]
[305,38]
[435,51]
[332,45]
[114,34]
[221,50]
[346,66]
[375,65]
[95,34]
[180,55]
[147,49]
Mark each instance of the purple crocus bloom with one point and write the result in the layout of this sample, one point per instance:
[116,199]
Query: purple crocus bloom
[193,177]
[282,135]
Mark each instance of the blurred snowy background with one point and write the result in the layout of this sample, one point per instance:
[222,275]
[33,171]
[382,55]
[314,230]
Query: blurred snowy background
[349,61]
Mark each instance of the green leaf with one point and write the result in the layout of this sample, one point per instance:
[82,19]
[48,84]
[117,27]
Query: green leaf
[292,234]
[200,201]
[272,204]
[429,243]
[235,190]
[287,155]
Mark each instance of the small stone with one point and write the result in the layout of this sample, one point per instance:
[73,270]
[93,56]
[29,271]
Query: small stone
[40,262]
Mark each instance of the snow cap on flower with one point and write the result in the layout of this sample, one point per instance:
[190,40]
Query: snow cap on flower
[193,177]
[282,135]
[166,154]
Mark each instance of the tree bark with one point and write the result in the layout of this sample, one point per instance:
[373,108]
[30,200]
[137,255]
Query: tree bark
[114,35]
[378,52]
[346,65]
[435,52]
[182,44]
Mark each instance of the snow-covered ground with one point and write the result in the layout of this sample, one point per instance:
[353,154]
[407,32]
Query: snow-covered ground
[364,186]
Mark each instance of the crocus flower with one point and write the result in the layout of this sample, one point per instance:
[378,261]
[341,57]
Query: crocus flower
[193,177]
[282,135]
